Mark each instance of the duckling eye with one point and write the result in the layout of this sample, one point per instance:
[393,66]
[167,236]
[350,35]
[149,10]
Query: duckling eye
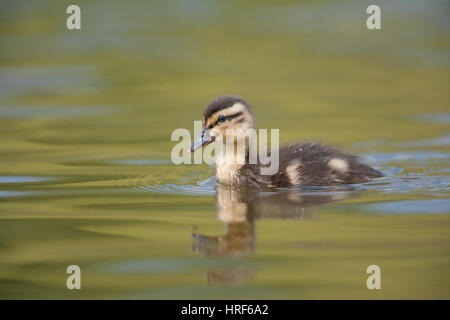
[221,119]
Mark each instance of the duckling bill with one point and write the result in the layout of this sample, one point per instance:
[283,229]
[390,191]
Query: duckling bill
[311,164]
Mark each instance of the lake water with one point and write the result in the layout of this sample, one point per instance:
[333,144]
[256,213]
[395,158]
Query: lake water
[86,177]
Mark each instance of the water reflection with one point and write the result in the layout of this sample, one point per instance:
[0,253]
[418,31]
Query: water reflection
[239,209]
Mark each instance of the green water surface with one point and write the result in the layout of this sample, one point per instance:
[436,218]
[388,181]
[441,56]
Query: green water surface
[86,178]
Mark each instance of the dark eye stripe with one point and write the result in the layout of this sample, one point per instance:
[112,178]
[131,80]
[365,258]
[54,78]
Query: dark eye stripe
[231,116]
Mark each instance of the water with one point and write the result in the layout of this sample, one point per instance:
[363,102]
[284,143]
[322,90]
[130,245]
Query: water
[86,177]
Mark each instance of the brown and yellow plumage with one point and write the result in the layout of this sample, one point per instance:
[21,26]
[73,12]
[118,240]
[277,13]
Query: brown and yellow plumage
[299,163]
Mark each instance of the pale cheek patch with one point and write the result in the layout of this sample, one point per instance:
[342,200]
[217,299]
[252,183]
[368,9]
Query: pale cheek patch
[293,172]
[245,122]
[338,165]
[216,133]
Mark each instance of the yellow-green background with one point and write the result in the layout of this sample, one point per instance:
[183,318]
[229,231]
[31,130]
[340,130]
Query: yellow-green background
[91,112]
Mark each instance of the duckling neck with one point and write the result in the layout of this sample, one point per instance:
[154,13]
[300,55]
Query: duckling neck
[229,162]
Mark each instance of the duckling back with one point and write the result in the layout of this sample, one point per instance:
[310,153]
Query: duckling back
[318,165]
[310,164]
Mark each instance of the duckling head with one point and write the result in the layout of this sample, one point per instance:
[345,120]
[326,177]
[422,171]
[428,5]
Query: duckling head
[223,118]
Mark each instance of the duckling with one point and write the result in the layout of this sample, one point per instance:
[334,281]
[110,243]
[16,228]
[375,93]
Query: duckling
[307,164]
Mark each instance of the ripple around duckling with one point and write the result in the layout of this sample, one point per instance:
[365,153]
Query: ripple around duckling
[160,184]
[409,184]
[161,176]
[127,174]
[390,184]
[178,189]
[415,171]
[403,156]
[404,172]
[142,162]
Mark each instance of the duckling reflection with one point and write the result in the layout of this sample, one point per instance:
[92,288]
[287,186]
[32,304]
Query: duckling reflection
[239,209]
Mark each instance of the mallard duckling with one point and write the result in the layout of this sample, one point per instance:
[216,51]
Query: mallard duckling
[310,164]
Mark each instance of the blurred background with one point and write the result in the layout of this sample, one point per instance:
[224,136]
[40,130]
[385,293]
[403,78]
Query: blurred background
[85,123]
